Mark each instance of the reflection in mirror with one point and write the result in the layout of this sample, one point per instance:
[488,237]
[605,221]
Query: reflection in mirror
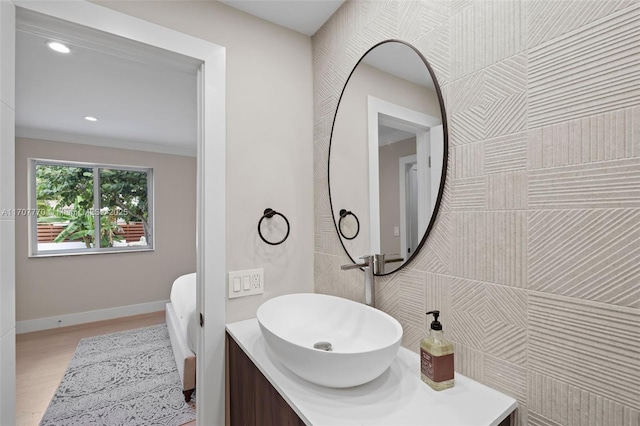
[387,157]
[348,225]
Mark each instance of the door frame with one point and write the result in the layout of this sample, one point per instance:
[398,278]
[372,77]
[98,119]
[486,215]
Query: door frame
[211,174]
[403,163]
[398,117]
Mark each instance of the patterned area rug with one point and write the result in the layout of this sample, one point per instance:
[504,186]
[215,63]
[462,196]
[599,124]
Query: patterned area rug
[125,378]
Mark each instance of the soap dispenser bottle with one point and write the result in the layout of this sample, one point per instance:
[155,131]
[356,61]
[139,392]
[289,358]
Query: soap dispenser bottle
[436,357]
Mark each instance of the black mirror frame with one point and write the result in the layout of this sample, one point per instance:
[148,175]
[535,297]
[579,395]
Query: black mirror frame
[445,160]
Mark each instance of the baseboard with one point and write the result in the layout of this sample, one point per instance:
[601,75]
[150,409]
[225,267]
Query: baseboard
[89,316]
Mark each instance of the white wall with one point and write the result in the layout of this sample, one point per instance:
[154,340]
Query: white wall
[48,287]
[269,137]
[7,228]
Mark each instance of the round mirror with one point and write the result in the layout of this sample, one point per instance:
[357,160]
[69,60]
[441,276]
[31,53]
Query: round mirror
[388,156]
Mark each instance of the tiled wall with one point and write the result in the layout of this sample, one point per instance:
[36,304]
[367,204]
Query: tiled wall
[535,257]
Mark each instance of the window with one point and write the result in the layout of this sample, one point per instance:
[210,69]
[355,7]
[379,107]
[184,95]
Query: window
[89,208]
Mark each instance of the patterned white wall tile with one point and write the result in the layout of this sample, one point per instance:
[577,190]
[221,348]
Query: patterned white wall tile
[325,242]
[468,232]
[535,419]
[507,191]
[506,78]
[323,47]
[321,158]
[586,254]
[465,93]
[330,279]
[469,361]
[593,346]
[484,33]
[420,17]
[326,92]
[548,19]
[610,136]
[505,318]
[379,16]
[592,69]
[363,24]
[490,246]
[506,248]
[435,255]
[567,109]
[469,194]
[345,25]
[411,309]
[402,295]
[324,121]
[411,23]
[321,205]
[506,305]
[506,342]
[563,404]
[506,377]
[326,238]
[467,126]
[435,47]
[445,202]
[467,160]
[506,153]
[457,6]
[490,318]
[507,115]
[520,416]
[387,295]
[466,329]
[609,184]
[438,297]
[411,336]
[489,103]
[468,304]
[325,279]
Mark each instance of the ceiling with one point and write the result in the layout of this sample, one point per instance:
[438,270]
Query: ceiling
[402,61]
[389,135]
[303,16]
[144,97]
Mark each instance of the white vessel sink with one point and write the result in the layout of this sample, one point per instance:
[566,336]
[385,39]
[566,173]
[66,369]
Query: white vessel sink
[364,341]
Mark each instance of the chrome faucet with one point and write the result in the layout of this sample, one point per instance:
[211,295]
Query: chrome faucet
[381,260]
[367,267]
[373,263]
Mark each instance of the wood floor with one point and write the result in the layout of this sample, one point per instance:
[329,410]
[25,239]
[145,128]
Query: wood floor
[42,358]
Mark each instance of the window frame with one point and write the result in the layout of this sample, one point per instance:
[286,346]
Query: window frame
[33,209]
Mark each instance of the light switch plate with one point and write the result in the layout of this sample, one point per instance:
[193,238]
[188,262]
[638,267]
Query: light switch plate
[247,283]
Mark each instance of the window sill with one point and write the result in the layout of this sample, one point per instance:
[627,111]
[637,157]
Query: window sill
[113,250]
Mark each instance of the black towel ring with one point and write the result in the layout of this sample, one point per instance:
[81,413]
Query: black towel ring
[344,213]
[269,213]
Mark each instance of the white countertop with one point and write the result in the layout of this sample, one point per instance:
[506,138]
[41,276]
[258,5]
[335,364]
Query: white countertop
[397,397]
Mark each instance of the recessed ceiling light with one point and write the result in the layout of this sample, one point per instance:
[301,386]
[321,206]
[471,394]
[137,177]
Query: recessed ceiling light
[58,47]
[89,118]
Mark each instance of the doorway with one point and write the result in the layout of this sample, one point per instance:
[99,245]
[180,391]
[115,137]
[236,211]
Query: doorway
[408,192]
[210,242]
[385,118]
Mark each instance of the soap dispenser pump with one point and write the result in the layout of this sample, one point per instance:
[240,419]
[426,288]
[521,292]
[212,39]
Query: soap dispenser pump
[436,357]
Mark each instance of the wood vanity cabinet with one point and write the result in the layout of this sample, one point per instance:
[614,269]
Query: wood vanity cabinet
[252,399]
